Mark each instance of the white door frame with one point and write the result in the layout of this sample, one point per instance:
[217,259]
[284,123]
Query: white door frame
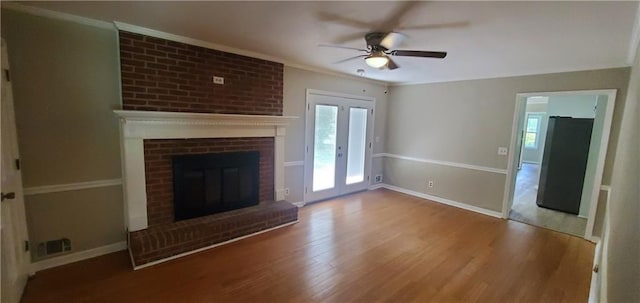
[308,161]
[604,143]
[526,118]
[14,231]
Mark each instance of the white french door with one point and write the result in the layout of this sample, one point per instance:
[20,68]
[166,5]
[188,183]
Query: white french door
[338,144]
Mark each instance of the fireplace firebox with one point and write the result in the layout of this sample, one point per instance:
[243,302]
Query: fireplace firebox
[205,184]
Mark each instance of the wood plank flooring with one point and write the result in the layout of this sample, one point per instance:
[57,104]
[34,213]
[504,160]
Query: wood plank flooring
[526,210]
[369,247]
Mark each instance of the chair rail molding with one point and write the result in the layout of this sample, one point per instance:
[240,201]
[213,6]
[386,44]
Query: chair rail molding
[45,189]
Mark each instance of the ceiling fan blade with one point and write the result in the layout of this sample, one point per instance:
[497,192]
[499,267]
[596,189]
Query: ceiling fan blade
[349,59]
[435,26]
[425,54]
[343,47]
[329,17]
[392,40]
[349,38]
[393,20]
[392,65]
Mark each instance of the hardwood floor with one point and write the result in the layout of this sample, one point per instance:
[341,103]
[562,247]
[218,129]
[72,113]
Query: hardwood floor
[526,210]
[372,246]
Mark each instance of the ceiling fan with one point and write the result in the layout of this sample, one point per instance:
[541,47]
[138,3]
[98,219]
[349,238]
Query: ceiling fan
[382,41]
[380,49]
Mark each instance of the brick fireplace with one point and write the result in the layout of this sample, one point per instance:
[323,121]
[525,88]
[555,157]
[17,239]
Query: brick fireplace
[154,235]
[157,158]
[172,108]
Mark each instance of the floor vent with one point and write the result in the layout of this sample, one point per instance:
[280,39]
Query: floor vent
[54,247]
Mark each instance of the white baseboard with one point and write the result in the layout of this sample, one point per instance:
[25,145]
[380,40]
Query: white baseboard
[376,186]
[136,267]
[77,256]
[298,204]
[476,209]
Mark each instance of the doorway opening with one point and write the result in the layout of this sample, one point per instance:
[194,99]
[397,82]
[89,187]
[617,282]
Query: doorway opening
[555,176]
[339,131]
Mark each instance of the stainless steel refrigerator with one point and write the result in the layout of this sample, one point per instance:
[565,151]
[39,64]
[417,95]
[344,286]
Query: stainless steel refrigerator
[564,163]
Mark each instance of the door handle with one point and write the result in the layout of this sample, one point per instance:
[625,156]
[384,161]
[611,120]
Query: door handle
[7,196]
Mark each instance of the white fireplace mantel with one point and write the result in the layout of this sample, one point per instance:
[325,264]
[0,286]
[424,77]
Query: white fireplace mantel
[135,126]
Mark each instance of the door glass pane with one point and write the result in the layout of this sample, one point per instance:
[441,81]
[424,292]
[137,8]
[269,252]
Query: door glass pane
[532,124]
[530,140]
[324,149]
[357,144]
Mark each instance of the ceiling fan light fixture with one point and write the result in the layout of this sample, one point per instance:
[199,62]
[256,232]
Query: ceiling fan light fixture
[376,60]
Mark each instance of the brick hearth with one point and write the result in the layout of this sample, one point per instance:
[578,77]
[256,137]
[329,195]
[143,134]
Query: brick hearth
[166,240]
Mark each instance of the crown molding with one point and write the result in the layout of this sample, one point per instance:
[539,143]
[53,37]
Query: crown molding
[36,11]
[506,76]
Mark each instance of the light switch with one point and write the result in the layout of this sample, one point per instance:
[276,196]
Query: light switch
[502,151]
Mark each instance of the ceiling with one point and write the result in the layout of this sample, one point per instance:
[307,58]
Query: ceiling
[499,39]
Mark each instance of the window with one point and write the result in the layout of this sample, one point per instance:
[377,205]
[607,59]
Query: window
[532,129]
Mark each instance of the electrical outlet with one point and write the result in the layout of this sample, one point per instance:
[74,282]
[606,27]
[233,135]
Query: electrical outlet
[286,191]
[502,151]
[218,80]
[378,179]
[430,183]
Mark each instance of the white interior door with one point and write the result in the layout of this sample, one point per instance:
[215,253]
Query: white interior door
[13,223]
[338,149]
[519,118]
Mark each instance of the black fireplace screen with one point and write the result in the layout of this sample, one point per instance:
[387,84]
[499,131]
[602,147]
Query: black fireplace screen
[205,184]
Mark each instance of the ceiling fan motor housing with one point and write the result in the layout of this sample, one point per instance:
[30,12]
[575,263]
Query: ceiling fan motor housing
[373,41]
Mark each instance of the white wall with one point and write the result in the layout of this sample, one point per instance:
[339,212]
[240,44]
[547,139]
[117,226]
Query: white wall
[576,106]
[594,154]
[623,245]
[465,122]
[65,79]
